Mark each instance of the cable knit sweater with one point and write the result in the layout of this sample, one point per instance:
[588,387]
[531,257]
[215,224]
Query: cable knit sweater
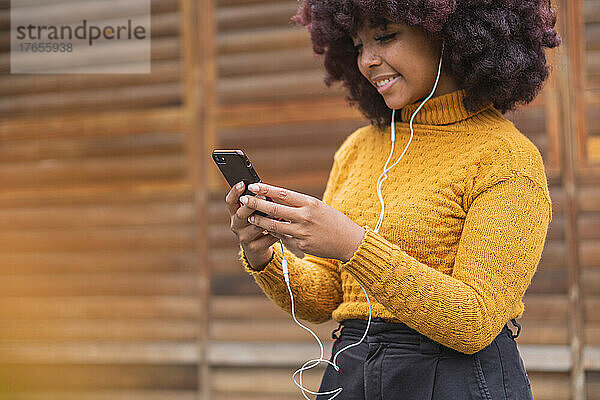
[466,215]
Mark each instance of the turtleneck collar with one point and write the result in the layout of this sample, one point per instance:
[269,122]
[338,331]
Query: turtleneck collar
[441,110]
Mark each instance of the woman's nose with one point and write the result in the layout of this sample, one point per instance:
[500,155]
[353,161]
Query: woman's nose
[370,59]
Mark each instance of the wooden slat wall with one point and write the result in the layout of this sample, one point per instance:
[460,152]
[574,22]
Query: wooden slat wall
[99,257]
[102,218]
[592,66]
[43,94]
[589,211]
[273,104]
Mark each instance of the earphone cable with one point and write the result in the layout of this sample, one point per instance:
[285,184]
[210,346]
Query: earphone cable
[315,362]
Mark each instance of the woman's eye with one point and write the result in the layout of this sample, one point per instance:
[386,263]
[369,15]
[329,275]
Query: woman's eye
[385,38]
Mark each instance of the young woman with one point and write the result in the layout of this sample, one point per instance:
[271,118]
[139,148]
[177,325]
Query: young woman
[445,232]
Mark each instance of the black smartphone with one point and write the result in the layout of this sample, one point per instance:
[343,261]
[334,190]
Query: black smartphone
[235,167]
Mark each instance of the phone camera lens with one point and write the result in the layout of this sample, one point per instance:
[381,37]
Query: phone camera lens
[248,163]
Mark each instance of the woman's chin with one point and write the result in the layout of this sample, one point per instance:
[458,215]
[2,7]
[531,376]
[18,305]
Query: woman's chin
[396,101]
[395,105]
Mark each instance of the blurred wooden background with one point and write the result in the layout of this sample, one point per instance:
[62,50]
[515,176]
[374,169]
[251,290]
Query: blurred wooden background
[119,274]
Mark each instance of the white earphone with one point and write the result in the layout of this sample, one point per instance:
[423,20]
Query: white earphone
[314,362]
[393,137]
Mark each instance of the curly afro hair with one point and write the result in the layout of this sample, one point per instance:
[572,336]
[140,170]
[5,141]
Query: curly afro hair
[494,49]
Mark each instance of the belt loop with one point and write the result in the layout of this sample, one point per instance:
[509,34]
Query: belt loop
[335,331]
[515,323]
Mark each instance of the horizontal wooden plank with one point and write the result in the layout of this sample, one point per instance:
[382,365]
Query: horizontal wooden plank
[261,380]
[546,358]
[556,229]
[549,281]
[46,173]
[181,353]
[592,33]
[125,306]
[69,378]
[98,192]
[271,87]
[248,15]
[20,86]
[529,120]
[546,307]
[251,40]
[591,307]
[25,331]
[66,11]
[266,330]
[590,281]
[309,133]
[588,199]
[591,11]
[87,216]
[553,256]
[166,23]
[589,254]
[540,331]
[245,307]
[588,226]
[293,159]
[151,260]
[591,358]
[97,124]
[118,98]
[118,284]
[164,6]
[229,3]
[591,332]
[108,395]
[550,385]
[253,396]
[271,113]
[263,354]
[134,145]
[100,239]
[281,60]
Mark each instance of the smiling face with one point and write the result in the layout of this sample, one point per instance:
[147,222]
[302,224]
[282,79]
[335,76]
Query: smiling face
[401,62]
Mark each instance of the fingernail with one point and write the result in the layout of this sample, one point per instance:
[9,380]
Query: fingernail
[253,187]
[244,200]
[240,185]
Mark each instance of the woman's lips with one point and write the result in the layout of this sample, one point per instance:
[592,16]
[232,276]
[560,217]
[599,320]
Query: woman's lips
[387,85]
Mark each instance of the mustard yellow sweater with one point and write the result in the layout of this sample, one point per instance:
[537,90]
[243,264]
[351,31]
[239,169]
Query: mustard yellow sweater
[466,215]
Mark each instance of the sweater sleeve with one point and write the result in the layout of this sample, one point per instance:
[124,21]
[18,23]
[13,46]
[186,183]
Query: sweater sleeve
[500,247]
[315,282]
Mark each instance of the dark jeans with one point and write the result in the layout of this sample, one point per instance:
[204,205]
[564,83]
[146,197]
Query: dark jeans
[397,362]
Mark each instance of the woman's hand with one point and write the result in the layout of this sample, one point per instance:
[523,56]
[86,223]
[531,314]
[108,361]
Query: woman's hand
[255,241]
[310,225]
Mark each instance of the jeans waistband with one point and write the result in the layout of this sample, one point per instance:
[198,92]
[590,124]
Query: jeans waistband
[383,331]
